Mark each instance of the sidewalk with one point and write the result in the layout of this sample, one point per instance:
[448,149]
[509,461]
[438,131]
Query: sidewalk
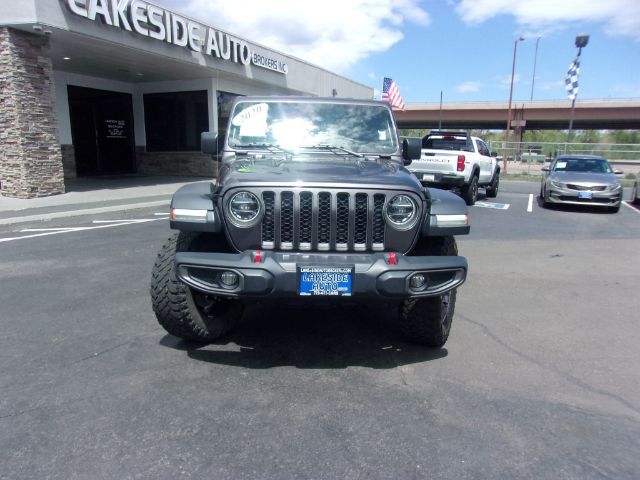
[95,195]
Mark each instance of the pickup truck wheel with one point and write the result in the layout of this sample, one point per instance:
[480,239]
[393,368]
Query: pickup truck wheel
[470,191]
[427,321]
[183,312]
[492,189]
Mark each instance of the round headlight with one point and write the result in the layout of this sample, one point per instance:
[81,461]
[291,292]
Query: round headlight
[244,208]
[401,212]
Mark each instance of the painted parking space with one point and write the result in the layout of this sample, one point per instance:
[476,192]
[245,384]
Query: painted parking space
[28,233]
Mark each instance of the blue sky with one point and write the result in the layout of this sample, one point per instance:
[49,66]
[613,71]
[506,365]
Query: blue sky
[462,47]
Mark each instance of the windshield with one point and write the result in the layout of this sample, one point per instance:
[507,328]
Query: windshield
[447,143]
[592,165]
[296,125]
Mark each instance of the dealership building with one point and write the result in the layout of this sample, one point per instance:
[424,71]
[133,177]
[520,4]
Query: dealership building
[113,87]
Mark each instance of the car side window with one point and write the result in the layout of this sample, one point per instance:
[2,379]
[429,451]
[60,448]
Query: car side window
[482,148]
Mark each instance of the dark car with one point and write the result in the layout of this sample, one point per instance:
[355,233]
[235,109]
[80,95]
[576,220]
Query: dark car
[312,205]
[581,180]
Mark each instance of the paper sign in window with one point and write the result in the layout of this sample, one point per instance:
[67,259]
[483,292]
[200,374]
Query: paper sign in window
[252,121]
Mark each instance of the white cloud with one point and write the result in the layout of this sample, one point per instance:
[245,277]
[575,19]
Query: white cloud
[333,34]
[371,75]
[468,87]
[621,17]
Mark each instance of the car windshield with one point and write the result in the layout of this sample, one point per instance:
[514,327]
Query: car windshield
[331,127]
[592,165]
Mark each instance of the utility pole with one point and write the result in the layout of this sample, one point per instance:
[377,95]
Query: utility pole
[440,113]
[506,136]
[535,60]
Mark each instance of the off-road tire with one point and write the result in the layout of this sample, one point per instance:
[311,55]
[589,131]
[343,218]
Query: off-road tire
[427,321]
[470,191]
[492,189]
[182,312]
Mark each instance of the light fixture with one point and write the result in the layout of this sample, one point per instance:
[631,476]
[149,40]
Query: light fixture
[66,58]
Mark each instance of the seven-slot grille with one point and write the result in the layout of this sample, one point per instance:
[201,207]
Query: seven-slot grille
[323,221]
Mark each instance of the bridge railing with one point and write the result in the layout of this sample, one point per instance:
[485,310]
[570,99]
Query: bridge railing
[530,156]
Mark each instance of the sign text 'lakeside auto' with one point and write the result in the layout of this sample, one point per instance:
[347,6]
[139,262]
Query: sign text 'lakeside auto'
[152,21]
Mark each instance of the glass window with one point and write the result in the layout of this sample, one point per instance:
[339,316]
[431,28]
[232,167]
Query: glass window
[297,125]
[174,121]
[592,165]
[483,149]
[447,143]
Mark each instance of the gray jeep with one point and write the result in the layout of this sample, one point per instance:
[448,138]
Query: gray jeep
[312,205]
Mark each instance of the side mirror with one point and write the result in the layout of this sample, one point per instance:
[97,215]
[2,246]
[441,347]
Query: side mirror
[411,149]
[545,169]
[209,143]
[618,172]
[494,154]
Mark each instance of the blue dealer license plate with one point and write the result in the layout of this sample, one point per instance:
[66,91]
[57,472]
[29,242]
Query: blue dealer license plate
[585,195]
[333,281]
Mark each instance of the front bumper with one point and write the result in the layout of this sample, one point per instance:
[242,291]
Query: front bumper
[275,274]
[605,198]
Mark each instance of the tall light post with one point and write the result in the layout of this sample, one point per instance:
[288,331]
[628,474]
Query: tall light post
[535,61]
[513,71]
[581,41]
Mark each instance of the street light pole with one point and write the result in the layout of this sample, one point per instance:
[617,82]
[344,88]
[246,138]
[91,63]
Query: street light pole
[513,71]
[581,41]
[535,60]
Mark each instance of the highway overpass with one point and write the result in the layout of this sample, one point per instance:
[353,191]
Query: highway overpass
[537,115]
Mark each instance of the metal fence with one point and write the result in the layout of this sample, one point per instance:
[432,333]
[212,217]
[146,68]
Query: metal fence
[530,156]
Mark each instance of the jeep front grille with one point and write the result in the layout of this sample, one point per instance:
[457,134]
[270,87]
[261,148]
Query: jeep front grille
[323,221]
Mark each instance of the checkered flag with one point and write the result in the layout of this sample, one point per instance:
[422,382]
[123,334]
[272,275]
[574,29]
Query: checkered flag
[571,82]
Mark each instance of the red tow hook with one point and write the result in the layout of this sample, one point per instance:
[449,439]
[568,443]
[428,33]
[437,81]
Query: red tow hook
[257,256]
[392,259]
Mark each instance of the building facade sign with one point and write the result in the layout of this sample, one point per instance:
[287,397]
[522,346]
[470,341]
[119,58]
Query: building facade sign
[163,25]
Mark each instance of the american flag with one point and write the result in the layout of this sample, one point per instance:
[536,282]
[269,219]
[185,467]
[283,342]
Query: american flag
[391,94]
[571,82]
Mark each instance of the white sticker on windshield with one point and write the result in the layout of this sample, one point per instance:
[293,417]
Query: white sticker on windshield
[382,135]
[252,121]
[561,165]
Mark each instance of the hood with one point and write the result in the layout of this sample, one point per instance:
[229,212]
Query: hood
[590,178]
[347,173]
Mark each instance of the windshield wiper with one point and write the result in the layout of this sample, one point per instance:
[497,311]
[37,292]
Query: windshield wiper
[335,149]
[267,146]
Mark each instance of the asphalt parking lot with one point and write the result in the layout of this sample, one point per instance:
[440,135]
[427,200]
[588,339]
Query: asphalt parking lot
[540,377]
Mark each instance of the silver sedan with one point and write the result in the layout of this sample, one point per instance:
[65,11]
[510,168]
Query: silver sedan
[581,180]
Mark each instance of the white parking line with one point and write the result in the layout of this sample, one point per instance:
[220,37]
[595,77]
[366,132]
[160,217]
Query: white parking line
[530,204]
[626,204]
[55,231]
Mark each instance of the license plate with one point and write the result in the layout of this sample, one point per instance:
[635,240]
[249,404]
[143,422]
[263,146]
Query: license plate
[428,177]
[325,281]
[585,195]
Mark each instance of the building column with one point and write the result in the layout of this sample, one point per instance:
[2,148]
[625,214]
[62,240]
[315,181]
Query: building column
[30,157]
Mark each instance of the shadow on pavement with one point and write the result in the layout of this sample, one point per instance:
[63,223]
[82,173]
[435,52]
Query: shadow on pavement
[303,338]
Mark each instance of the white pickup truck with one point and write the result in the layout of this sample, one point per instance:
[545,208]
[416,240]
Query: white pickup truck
[456,160]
